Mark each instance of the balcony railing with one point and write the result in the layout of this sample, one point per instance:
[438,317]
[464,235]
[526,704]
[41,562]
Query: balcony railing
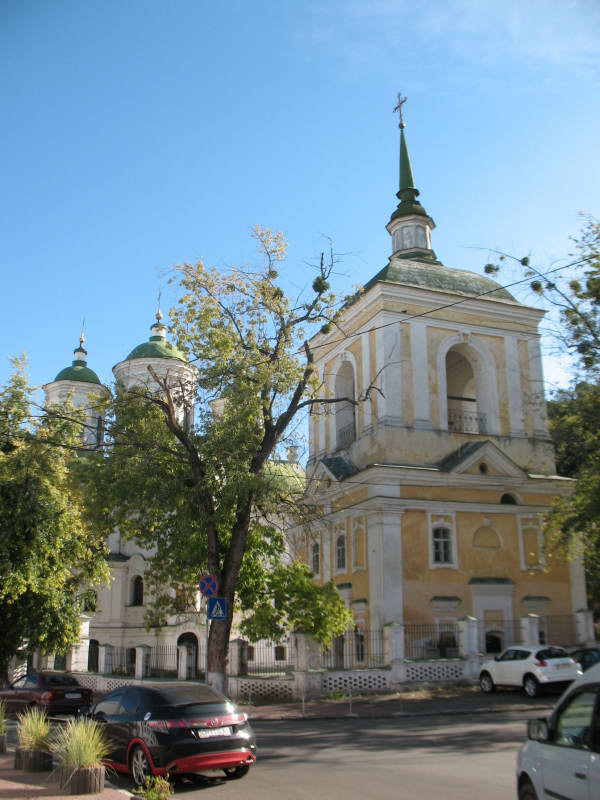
[345,436]
[466,422]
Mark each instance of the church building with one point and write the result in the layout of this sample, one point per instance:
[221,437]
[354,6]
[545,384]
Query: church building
[432,489]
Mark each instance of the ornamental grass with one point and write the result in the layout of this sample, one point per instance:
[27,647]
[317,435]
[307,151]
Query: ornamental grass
[80,744]
[33,729]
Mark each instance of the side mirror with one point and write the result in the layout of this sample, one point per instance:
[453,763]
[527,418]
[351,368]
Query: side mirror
[538,730]
[496,658]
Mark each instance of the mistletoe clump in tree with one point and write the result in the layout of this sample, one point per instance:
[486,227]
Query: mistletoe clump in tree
[212,497]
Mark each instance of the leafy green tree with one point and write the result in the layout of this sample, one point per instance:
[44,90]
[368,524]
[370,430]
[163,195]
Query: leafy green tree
[213,497]
[48,554]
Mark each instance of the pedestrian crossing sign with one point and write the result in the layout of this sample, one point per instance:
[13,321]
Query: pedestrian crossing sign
[218,608]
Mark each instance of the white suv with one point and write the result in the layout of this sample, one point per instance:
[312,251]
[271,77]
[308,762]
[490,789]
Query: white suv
[529,667]
[561,759]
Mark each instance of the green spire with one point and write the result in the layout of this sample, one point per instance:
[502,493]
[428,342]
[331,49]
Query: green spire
[408,193]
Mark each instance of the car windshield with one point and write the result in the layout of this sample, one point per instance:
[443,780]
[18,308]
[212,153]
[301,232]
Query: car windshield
[551,652]
[60,680]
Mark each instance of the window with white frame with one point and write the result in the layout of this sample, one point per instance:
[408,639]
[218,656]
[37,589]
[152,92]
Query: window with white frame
[443,551]
[442,546]
[340,553]
[316,558]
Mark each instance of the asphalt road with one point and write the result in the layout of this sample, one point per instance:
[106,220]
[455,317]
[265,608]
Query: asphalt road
[446,758]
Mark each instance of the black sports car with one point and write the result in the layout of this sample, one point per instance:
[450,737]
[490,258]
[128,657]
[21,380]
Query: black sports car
[176,729]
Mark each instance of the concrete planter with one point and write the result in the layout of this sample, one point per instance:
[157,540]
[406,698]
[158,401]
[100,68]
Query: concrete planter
[81,780]
[33,760]
[2,743]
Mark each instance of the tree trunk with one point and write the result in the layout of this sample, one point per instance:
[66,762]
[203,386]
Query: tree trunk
[218,648]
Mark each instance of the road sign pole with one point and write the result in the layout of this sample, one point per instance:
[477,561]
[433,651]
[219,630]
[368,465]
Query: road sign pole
[206,645]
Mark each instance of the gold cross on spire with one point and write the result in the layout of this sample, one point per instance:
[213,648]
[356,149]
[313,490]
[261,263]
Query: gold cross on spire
[159,315]
[398,108]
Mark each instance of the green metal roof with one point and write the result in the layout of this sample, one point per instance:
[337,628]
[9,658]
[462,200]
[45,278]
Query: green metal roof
[432,276]
[157,347]
[78,372]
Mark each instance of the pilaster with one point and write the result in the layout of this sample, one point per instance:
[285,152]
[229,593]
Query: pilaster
[420,375]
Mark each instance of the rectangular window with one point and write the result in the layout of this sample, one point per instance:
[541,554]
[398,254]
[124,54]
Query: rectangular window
[279,653]
[442,546]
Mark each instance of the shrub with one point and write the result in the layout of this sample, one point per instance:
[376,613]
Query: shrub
[155,788]
[81,743]
[33,729]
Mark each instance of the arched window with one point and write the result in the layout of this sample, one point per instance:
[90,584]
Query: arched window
[508,499]
[316,558]
[345,417]
[340,552]
[99,431]
[442,546]
[463,413]
[137,591]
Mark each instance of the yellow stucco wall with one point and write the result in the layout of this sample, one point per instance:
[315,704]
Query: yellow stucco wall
[422,582]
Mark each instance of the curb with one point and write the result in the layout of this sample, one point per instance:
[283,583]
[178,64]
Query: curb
[397,714]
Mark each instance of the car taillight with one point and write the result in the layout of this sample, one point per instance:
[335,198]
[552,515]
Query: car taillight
[540,663]
[203,722]
[168,723]
[51,695]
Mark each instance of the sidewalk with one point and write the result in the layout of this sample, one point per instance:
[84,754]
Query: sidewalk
[17,785]
[421,702]
[424,702]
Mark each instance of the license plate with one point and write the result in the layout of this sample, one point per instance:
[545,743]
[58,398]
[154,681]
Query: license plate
[208,733]
[72,695]
[563,666]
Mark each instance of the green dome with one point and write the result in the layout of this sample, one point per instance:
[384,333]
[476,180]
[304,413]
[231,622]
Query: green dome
[157,347]
[430,276]
[78,372]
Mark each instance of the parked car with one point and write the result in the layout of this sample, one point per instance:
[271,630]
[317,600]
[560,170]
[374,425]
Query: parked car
[176,729]
[560,758]
[529,667]
[586,657]
[55,692]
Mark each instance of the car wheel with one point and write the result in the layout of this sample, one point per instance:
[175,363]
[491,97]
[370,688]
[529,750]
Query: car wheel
[531,686]
[234,773]
[527,792]
[139,766]
[486,684]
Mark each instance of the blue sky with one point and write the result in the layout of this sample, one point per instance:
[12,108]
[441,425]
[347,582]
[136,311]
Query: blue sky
[143,133]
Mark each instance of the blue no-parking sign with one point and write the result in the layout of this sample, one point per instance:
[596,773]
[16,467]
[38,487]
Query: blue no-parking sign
[218,608]
[207,585]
